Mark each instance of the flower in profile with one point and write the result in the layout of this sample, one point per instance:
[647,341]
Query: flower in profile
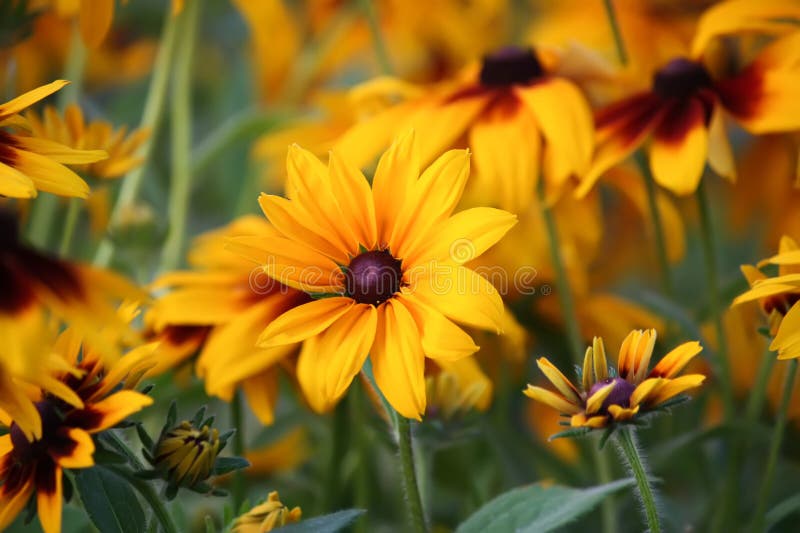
[221,307]
[685,111]
[99,396]
[28,163]
[778,296]
[85,296]
[605,396]
[457,387]
[514,110]
[73,130]
[266,516]
[385,265]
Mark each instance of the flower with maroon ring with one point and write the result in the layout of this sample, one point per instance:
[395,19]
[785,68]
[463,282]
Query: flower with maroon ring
[685,111]
[515,111]
[92,397]
[606,397]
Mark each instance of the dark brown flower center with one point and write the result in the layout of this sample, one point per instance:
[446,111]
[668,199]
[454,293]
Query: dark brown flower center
[373,277]
[780,303]
[620,394]
[51,421]
[681,78]
[9,229]
[510,66]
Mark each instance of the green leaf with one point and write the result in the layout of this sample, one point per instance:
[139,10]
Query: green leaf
[223,465]
[329,523]
[536,509]
[572,432]
[786,508]
[109,501]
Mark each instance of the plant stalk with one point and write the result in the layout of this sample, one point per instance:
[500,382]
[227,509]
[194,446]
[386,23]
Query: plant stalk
[626,442]
[239,449]
[412,496]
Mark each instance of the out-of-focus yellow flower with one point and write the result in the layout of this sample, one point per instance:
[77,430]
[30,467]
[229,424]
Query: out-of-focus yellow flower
[93,397]
[685,111]
[606,397]
[544,421]
[29,163]
[514,111]
[266,516]
[285,454]
[222,307]
[386,266]
[74,131]
[778,296]
[454,388]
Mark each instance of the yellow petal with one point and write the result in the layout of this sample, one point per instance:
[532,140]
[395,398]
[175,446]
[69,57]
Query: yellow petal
[674,387]
[559,380]
[81,455]
[394,182]
[31,97]
[47,175]
[553,400]
[15,184]
[261,392]
[96,18]
[304,321]
[675,361]
[720,154]
[49,499]
[680,147]
[595,401]
[620,413]
[357,205]
[441,339]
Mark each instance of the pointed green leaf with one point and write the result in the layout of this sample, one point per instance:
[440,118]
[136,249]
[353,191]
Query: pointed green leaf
[537,509]
[109,501]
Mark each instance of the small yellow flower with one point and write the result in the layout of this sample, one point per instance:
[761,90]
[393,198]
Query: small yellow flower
[606,397]
[456,388]
[268,515]
[778,296]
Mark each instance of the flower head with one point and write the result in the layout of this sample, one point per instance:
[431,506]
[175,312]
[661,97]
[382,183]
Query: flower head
[385,265]
[266,516]
[28,163]
[777,296]
[606,397]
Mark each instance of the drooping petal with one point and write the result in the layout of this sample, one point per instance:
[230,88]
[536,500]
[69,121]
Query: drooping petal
[46,174]
[787,340]
[720,154]
[559,380]
[620,413]
[595,401]
[552,399]
[304,321]
[679,149]
[675,361]
[441,339]
[398,361]
[49,497]
[96,18]
[79,453]
[261,392]
[12,503]
[31,97]
[674,387]
[15,184]
[644,390]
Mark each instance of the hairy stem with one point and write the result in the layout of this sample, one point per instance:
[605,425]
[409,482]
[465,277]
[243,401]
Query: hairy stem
[626,442]
[407,468]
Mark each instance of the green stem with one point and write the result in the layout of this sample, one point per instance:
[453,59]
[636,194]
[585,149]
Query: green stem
[759,391]
[368,7]
[562,281]
[239,449]
[626,442]
[144,488]
[658,226]
[70,221]
[339,427]
[614,23]
[359,427]
[181,128]
[775,446]
[608,508]
[408,471]
[720,361]
[151,115]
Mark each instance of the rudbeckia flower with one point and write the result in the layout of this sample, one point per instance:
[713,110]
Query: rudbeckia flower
[85,296]
[778,297]
[28,163]
[221,307]
[514,111]
[100,398]
[454,388]
[607,397]
[385,266]
[266,516]
[684,113]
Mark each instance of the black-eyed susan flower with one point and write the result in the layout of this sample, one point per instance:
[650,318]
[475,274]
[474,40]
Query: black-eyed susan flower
[221,307]
[607,397]
[778,297]
[85,296]
[457,387]
[28,163]
[73,130]
[685,111]
[385,267]
[266,516]
[514,111]
[100,397]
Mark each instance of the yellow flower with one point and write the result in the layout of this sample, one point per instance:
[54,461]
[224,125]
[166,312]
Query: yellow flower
[386,266]
[221,307]
[187,454]
[778,296]
[91,398]
[266,516]
[606,397]
[282,455]
[685,112]
[456,387]
[514,111]
[28,163]
[74,131]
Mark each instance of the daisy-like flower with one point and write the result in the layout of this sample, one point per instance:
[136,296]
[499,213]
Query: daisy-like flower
[85,296]
[266,516]
[100,397]
[778,297]
[606,397]
[221,307]
[73,130]
[386,267]
[685,111]
[29,163]
[454,388]
[514,111]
